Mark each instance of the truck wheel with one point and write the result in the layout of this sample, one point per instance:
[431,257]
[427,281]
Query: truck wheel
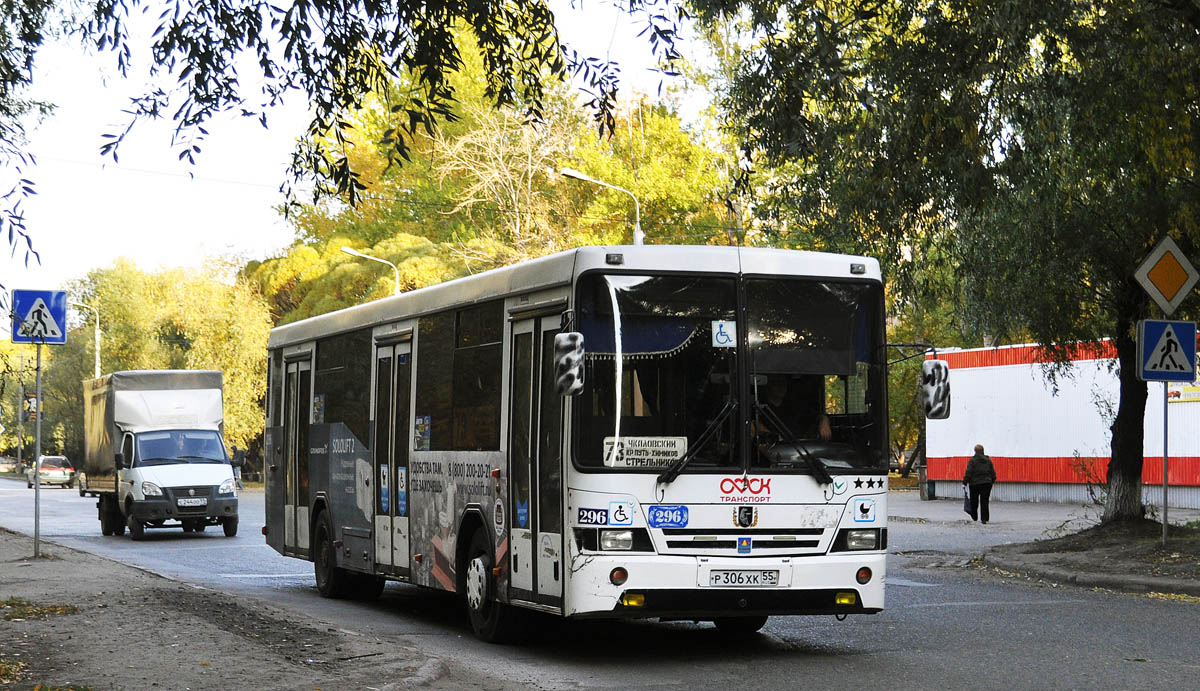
[331,580]
[740,626]
[491,620]
[115,520]
[230,526]
[137,531]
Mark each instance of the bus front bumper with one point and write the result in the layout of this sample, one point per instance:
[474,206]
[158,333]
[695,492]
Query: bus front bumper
[681,587]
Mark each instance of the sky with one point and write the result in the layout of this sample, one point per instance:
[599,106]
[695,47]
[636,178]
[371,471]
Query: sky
[161,212]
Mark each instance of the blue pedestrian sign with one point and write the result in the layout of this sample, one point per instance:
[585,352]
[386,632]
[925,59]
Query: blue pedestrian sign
[39,316]
[1166,350]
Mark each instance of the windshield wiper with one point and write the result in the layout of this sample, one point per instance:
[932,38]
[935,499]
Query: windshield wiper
[208,459]
[819,470]
[668,476]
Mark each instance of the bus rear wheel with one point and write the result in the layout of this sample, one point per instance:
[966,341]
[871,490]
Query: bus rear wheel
[740,626]
[491,620]
[332,581]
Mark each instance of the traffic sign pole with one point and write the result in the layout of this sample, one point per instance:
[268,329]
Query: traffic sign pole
[37,462]
[1166,353]
[40,317]
[1166,455]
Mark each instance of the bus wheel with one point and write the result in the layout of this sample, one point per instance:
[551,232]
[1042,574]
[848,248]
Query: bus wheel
[331,581]
[369,587]
[740,626]
[491,620]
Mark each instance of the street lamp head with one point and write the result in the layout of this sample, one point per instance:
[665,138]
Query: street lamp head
[638,235]
[575,174]
[396,269]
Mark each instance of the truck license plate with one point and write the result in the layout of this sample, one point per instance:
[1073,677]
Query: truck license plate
[751,579]
[192,501]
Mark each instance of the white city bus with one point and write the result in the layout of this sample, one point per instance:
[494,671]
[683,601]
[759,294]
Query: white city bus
[724,459]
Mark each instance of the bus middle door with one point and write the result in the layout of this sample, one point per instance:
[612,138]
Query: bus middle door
[393,390]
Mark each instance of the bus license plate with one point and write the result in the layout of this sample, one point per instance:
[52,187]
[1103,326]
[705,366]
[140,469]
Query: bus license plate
[192,501]
[750,579]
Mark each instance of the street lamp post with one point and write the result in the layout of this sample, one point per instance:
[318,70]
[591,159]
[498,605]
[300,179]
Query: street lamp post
[350,250]
[95,332]
[638,235]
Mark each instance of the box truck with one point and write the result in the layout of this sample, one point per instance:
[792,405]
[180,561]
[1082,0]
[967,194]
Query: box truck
[155,453]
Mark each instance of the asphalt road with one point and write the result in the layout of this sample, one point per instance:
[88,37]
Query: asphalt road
[947,622]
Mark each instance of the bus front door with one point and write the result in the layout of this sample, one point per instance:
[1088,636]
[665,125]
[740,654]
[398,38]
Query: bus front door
[392,396]
[535,465]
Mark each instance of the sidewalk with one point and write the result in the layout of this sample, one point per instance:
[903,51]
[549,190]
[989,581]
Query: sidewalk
[1020,538]
[74,620]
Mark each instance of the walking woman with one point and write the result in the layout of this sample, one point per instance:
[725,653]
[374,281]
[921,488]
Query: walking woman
[980,477]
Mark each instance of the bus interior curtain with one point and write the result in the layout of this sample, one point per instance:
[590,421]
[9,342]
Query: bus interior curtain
[641,336]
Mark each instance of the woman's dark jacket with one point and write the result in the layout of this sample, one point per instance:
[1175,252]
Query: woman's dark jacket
[980,471]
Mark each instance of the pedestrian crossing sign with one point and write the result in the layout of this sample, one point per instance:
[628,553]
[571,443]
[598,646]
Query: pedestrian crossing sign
[1166,350]
[39,316]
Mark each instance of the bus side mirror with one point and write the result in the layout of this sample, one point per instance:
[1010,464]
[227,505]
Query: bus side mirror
[568,363]
[935,389]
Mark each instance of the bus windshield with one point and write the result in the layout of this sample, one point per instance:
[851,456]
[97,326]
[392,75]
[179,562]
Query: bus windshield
[817,375]
[664,386]
[676,388]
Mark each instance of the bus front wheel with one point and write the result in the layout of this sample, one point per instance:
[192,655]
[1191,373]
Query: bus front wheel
[491,620]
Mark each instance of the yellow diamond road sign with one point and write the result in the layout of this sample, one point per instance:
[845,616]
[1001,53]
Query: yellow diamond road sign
[1167,275]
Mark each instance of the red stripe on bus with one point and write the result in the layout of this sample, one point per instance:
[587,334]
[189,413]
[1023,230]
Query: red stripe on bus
[1184,470]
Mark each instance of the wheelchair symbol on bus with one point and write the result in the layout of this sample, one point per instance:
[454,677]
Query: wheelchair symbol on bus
[724,334]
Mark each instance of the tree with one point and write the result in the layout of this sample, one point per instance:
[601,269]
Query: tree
[172,319]
[17,370]
[315,279]
[1044,147]
[675,175]
[21,27]
[331,53]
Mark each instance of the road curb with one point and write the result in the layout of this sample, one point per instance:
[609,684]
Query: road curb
[1130,584]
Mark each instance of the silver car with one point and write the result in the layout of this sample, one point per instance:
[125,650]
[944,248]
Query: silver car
[56,470]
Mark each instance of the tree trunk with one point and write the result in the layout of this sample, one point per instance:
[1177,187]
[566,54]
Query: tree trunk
[1124,500]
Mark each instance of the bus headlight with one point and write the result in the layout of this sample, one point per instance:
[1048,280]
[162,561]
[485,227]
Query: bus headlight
[862,539]
[149,489]
[614,540]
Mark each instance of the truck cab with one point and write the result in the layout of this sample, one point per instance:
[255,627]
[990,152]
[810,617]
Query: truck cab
[181,474]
